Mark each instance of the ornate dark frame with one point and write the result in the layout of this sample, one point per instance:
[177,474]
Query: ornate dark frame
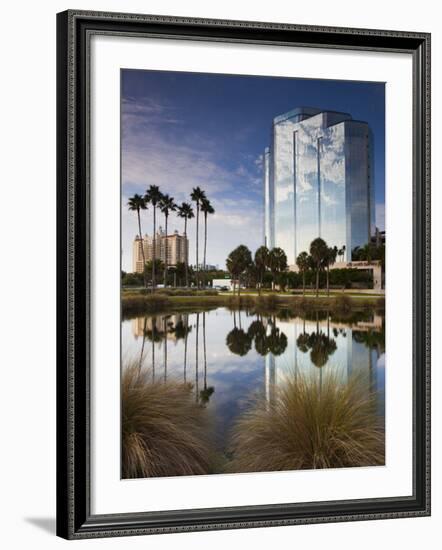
[74,519]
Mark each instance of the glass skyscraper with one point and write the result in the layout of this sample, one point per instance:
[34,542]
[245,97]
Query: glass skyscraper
[318,182]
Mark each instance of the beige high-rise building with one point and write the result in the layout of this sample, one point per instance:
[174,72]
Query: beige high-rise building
[177,249]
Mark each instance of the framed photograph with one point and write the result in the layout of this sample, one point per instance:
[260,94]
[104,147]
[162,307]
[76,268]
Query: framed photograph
[243,274]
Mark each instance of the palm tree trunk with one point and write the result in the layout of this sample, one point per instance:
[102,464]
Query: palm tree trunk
[142,249]
[303,283]
[205,249]
[154,248]
[317,281]
[328,280]
[165,256]
[187,254]
[197,245]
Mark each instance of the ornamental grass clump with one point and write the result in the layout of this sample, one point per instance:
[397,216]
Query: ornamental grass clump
[165,432]
[309,423]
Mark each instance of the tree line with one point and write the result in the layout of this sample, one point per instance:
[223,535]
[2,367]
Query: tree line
[252,270]
[320,258]
[166,204]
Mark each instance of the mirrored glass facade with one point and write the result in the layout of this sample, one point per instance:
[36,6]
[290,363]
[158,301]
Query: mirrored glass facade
[268,237]
[318,182]
[348,354]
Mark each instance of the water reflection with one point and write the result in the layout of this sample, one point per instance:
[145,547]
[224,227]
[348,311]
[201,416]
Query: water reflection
[227,356]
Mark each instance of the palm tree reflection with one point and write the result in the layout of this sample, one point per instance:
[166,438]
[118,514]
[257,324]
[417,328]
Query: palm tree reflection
[276,341]
[267,338]
[154,335]
[239,342]
[206,392]
[320,345]
[182,329]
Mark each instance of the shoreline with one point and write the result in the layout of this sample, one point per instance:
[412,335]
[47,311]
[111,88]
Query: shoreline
[138,303]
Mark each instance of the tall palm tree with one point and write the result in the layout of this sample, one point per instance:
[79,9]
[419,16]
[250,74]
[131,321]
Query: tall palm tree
[277,262]
[237,262]
[206,209]
[318,251]
[167,205]
[197,196]
[186,211]
[261,262]
[302,261]
[330,259]
[136,204]
[153,196]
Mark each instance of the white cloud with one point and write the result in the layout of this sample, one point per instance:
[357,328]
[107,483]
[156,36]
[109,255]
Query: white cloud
[153,155]
[283,193]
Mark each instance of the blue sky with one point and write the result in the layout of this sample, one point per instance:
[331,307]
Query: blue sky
[180,130]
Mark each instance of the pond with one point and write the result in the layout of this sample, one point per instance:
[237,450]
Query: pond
[231,356]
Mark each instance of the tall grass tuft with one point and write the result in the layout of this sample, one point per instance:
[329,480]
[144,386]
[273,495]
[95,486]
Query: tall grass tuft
[164,431]
[309,424]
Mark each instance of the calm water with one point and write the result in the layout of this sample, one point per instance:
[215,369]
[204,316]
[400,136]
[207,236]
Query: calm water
[230,356]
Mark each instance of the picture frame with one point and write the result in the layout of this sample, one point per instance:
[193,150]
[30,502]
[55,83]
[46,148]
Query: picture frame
[75,519]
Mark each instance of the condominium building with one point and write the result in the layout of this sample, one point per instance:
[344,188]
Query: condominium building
[318,182]
[177,249]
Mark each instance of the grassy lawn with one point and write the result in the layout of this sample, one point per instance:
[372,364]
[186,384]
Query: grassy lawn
[265,292]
